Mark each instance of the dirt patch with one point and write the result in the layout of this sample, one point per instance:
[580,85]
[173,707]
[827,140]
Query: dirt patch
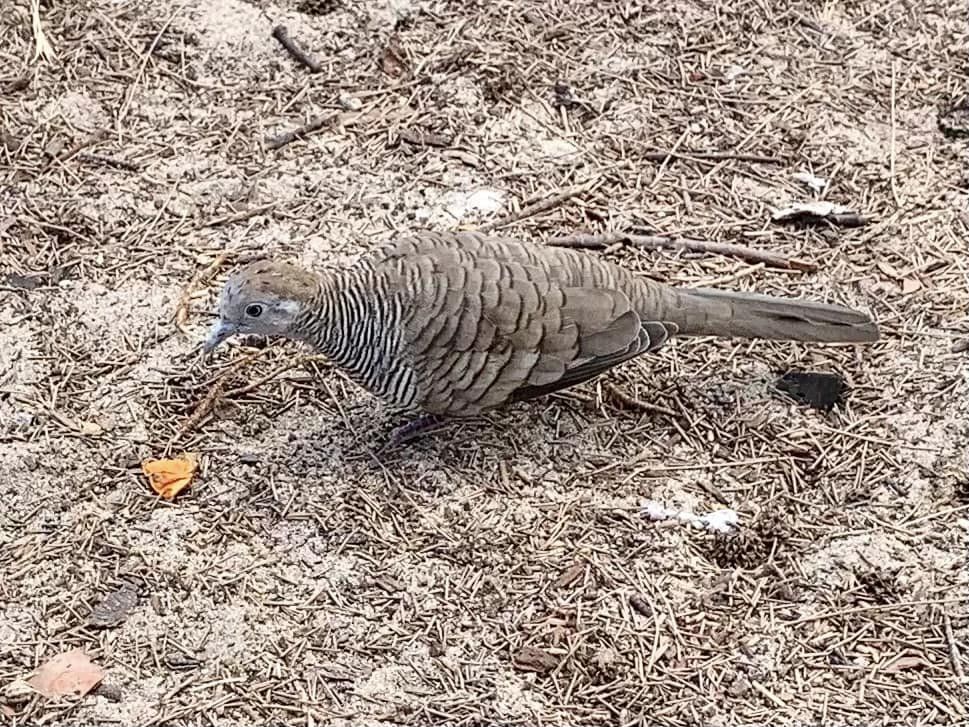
[303,579]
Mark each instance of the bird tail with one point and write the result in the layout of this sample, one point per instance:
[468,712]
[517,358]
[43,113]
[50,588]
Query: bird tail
[708,312]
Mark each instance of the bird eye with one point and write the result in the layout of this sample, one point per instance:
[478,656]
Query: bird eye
[254,310]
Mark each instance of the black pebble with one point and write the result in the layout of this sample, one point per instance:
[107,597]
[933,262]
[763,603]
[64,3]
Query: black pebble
[817,390]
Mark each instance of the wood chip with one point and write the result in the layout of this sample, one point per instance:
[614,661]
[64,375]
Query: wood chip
[392,60]
[111,692]
[570,575]
[531,658]
[113,608]
[423,138]
[640,605]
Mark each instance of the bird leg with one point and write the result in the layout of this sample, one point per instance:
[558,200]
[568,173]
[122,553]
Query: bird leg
[409,430]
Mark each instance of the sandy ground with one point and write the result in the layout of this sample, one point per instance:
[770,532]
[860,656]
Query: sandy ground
[501,572]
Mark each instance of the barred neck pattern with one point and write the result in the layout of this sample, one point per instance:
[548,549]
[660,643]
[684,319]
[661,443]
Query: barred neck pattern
[356,321]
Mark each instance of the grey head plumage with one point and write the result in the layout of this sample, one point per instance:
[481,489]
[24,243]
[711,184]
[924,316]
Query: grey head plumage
[263,298]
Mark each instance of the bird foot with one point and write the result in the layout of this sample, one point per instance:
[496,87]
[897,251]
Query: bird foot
[410,430]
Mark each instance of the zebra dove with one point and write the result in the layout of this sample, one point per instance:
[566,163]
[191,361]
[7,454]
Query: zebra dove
[452,324]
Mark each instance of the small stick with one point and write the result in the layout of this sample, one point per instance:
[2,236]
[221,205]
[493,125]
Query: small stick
[145,58]
[633,402]
[819,214]
[874,607]
[536,208]
[809,23]
[423,138]
[662,156]
[75,149]
[201,411]
[953,649]
[657,242]
[291,364]
[276,142]
[217,391]
[42,47]
[109,161]
[848,219]
[282,35]
[211,398]
[181,311]
[640,605]
[771,697]
[891,143]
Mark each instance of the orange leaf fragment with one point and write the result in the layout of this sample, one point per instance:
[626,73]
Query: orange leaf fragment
[168,477]
[71,674]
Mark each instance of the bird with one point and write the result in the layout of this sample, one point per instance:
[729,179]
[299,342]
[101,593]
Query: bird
[445,325]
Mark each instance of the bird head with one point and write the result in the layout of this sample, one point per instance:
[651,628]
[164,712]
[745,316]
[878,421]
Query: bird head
[264,298]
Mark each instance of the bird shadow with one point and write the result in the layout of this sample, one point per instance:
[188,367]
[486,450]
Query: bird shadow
[531,429]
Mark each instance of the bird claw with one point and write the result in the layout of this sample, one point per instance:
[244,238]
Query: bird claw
[410,430]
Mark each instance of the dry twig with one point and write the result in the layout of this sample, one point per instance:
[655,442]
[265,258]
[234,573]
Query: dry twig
[109,162]
[217,390]
[281,140]
[954,654]
[212,397]
[536,208]
[281,34]
[42,47]
[201,278]
[416,137]
[656,242]
[662,156]
[75,149]
[201,411]
[262,381]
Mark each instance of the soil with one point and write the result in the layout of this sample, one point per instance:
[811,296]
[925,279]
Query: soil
[500,571]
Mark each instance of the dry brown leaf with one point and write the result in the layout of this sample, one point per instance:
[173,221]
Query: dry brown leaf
[71,674]
[168,477]
[531,658]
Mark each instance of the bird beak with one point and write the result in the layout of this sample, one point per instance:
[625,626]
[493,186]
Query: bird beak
[220,331]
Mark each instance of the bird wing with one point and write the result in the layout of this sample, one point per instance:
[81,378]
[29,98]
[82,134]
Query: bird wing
[489,321]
